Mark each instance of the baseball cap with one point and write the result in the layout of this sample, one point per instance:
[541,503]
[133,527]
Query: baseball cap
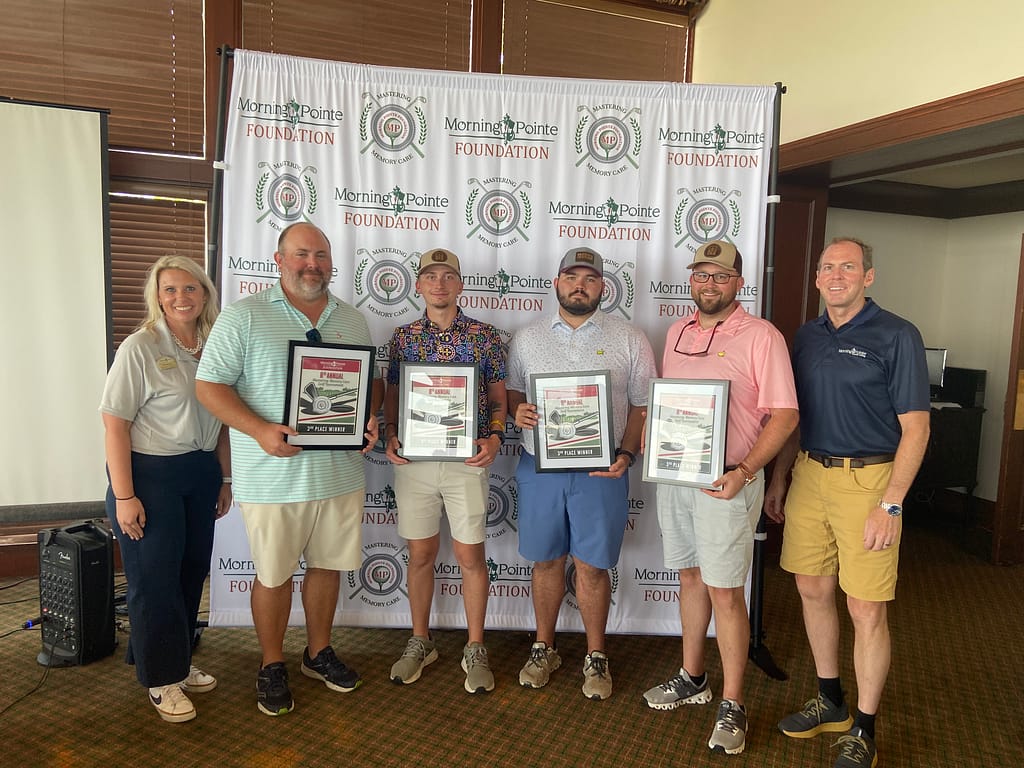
[442,257]
[721,253]
[581,257]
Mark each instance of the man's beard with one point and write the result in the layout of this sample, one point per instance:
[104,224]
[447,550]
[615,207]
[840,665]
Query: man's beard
[575,308]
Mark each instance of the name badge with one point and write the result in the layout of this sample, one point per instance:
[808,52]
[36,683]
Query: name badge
[166,363]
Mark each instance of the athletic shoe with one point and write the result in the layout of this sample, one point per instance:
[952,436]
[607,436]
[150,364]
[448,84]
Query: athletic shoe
[172,703]
[332,670]
[198,681]
[479,677]
[856,750]
[273,697]
[817,716]
[730,732]
[419,652]
[678,690]
[597,680]
[538,668]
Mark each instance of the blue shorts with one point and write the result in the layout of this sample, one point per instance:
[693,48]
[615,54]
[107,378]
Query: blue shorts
[571,513]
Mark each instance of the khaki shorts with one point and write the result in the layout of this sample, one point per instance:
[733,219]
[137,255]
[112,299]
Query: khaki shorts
[424,488]
[715,535]
[327,532]
[824,535]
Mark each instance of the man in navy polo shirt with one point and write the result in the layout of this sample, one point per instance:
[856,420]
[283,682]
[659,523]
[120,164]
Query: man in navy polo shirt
[862,386]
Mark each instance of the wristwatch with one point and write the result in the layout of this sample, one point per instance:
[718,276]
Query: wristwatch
[895,510]
[500,433]
[629,454]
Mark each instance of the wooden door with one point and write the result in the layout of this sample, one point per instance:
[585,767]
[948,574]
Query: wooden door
[1008,520]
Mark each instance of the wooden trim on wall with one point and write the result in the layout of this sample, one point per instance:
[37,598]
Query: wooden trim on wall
[934,202]
[966,110]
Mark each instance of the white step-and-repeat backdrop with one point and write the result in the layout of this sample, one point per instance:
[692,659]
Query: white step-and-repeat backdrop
[507,172]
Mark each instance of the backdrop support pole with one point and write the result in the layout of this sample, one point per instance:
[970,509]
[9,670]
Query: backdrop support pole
[217,193]
[758,652]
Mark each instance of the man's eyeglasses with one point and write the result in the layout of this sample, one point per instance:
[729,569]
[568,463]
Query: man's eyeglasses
[704,353]
[313,336]
[721,278]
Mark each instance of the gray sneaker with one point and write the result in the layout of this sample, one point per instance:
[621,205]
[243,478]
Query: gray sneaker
[479,677]
[538,668]
[419,652]
[678,690]
[817,716]
[597,680]
[730,733]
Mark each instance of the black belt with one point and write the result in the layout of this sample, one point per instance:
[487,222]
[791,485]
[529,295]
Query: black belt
[855,463]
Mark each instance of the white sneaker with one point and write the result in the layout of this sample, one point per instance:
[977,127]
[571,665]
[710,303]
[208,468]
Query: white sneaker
[198,681]
[172,703]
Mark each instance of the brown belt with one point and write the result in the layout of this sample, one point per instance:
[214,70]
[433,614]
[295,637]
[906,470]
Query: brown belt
[854,463]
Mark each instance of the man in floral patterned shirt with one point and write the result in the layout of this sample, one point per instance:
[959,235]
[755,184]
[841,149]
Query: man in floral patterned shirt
[424,488]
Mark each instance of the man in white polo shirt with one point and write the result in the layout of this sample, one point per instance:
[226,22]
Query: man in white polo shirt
[294,502]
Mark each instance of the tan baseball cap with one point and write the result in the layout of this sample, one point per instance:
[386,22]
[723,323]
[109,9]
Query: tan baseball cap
[440,257]
[721,253]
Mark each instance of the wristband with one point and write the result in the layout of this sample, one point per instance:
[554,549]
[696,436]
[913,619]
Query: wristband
[124,498]
[226,480]
[495,424]
[628,454]
[500,433]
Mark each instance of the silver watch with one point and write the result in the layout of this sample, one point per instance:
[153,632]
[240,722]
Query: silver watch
[895,510]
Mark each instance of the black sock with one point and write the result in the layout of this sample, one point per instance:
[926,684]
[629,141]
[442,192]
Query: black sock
[831,689]
[698,680]
[865,723]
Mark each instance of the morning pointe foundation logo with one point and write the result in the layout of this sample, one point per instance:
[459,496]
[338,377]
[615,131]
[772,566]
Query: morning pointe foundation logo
[393,127]
[705,214]
[290,121]
[285,193]
[505,138]
[715,147]
[608,139]
[611,219]
[397,208]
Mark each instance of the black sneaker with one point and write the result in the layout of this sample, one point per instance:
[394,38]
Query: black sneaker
[273,696]
[332,670]
[818,715]
[856,750]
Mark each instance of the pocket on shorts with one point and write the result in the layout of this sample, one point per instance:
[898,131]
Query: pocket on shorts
[871,479]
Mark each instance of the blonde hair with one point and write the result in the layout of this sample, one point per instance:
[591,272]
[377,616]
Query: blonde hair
[154,313]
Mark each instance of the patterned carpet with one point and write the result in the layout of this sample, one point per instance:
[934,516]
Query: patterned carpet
[953,697]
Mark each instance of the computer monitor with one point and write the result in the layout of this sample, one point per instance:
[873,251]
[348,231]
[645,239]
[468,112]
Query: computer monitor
[936,358]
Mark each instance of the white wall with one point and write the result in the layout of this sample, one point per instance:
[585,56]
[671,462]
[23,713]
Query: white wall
[844,62]
[957,282]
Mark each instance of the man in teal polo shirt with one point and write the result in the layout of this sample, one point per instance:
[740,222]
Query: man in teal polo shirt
[294,502]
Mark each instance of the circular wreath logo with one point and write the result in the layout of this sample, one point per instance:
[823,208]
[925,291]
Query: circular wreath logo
[286,197]
[498,212]
[608,140]
[389,282]
[381,574]
[707,220]
[393,127]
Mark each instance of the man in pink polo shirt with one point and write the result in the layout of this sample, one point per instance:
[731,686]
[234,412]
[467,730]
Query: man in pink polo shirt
[708,534]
